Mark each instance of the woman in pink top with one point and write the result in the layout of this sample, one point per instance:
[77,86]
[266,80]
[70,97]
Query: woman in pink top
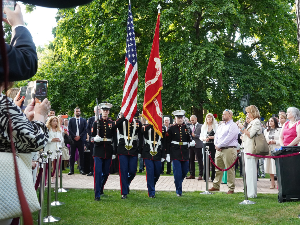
[290,133]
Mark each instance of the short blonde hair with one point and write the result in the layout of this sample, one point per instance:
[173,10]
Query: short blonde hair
[48,124]
[253,110]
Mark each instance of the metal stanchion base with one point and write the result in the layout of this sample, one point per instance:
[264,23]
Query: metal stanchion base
[247,202]
[206,193]
[51,219]
[55,203]
[62,190]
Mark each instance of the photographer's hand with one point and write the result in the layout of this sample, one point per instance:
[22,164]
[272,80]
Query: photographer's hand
[29,110]
[14,18]
[17,100]
[41,110]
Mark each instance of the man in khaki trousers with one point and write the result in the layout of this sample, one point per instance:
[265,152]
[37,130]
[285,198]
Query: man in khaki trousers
[226,140]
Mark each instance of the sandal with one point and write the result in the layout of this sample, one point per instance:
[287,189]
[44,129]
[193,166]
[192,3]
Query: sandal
[272,186]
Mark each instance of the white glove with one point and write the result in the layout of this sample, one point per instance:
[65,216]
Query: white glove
[97,139]
[139,155]
[113,156]
[162,159]
[168,158]
[192,143]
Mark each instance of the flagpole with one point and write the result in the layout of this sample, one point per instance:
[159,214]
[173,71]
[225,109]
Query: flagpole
[158,8]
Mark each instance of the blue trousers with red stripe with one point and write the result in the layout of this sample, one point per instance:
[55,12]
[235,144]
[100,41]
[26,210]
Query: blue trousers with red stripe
[180,170]
[128,167]
[153,169]
[101,173]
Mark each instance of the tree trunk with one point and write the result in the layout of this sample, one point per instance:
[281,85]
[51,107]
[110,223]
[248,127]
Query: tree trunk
[199,113]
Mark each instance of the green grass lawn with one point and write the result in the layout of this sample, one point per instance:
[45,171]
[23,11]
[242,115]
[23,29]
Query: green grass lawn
[192,208]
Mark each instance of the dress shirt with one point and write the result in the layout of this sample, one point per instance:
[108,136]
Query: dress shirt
[227,135]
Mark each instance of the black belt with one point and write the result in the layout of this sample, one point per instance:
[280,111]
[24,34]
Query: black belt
[228,147]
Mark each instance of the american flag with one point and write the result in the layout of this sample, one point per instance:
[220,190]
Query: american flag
[129,102]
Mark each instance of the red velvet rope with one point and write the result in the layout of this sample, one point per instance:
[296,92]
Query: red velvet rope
[38,179]
[211,160]
[54,165]
[27,217]
[273,157]
[46,174]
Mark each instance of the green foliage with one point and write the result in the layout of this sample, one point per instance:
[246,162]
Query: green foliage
[29,8]
[212,53]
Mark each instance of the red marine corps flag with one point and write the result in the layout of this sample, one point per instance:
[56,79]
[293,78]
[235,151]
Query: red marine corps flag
[129,102]
[152,108]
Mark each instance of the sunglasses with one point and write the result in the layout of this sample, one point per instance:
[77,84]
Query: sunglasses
[228,110]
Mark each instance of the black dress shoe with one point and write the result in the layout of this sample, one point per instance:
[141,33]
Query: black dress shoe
[70,173]
[82,173]
[124,197]
[90,174]
[97,199]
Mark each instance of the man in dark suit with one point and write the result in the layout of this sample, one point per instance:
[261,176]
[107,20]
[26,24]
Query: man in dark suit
[196,150]
[77,130]
[89,131]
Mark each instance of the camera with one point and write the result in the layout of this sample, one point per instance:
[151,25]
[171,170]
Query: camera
[9,4]
[37,90]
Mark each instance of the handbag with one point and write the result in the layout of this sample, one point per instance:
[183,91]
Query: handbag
[68,139]
[9,200]
[65,153]
[261,146]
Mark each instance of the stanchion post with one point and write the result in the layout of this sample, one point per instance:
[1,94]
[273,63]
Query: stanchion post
[56,202]
[246,201]
[49,218]
[43,161]
[61,189]
[206,172]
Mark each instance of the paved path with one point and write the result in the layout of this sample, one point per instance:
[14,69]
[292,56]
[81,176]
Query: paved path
[165,183]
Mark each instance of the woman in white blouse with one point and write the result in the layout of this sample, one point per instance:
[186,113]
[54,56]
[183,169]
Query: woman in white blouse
[207,135]
[55,138]
[253,128]
[272,136]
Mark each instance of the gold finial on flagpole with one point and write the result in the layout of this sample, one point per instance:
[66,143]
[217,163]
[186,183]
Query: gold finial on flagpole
[158,8]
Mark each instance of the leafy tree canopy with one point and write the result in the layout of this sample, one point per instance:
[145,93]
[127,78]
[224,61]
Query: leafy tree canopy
[212,53]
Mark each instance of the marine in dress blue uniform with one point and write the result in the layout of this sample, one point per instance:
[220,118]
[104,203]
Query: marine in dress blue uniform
[103,132]
[153,154]
[129,148]
[178,138]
